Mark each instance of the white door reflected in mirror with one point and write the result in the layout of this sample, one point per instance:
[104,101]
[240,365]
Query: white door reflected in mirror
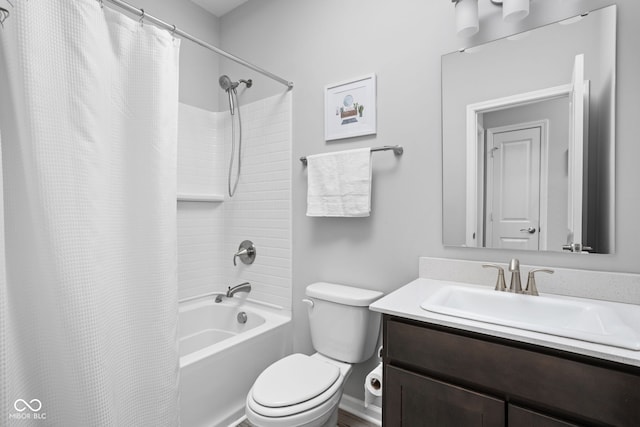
[512,211]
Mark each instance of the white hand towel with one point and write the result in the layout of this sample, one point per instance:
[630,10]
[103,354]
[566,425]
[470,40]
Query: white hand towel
[339,183]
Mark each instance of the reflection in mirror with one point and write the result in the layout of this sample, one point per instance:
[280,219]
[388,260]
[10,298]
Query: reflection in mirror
[528,139]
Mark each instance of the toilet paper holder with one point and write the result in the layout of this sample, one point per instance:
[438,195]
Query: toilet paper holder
[375,383]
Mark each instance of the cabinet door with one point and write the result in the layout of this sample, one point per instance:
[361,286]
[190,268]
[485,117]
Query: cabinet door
[412,400]
[521,417]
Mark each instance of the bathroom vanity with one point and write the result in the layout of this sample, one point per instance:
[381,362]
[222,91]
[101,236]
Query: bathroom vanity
[446,371]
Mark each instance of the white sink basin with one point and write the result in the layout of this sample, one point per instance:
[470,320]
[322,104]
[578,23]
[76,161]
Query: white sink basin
[570,318]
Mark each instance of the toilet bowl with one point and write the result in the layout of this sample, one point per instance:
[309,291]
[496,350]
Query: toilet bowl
[296,391]
[304,391]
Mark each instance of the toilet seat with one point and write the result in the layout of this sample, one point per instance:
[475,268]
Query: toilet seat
[292,380]
[294,384]
[314,417]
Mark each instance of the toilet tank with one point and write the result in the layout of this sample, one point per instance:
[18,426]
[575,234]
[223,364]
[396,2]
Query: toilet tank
[342,326]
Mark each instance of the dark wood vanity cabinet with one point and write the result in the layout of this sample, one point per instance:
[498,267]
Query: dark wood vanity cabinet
[438,376]
[416,400]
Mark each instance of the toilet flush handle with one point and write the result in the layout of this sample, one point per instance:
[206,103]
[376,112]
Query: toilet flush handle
[308,302]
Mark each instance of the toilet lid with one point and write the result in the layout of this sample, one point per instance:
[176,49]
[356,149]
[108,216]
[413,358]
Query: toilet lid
[292,380]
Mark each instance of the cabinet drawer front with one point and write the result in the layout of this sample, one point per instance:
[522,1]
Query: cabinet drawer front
[521,417]
[419,401]
[577,389]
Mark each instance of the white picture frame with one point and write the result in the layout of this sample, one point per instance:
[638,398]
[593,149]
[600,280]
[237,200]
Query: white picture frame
[350,108]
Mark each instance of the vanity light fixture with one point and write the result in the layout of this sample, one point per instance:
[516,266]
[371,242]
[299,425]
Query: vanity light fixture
[513,10]
[467,14]
[466,17]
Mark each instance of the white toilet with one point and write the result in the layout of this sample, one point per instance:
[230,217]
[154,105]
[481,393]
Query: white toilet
[304,391]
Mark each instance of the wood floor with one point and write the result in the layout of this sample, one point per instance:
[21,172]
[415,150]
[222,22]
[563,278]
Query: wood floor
[345,419]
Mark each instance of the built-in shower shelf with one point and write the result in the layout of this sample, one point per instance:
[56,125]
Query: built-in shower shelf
[194,197]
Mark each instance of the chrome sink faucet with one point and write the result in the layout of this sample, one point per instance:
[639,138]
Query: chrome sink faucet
[515,285]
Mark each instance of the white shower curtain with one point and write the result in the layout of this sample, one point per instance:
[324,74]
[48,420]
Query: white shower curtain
[88,320]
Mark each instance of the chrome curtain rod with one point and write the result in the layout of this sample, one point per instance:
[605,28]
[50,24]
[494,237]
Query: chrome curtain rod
[397,150]
[177,31]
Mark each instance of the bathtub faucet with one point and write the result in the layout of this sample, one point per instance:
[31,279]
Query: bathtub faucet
[242,287]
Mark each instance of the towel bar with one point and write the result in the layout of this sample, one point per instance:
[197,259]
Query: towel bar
[397,150]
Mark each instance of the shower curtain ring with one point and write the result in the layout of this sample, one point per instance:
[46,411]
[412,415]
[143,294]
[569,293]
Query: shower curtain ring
[4,14]
[101,4]
[173,32]
[141,17]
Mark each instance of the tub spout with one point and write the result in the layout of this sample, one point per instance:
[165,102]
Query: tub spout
[242,287]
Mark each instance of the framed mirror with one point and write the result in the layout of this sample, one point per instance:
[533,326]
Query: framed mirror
[528,126]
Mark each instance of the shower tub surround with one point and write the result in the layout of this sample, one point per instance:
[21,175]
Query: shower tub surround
[209,232]
[261,208]
[220,357]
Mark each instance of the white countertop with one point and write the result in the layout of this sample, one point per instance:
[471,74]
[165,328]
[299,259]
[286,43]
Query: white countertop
[405,302]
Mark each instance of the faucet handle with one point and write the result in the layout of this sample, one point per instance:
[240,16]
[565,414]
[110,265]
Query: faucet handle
[240,253]
[531,288]
[501,285]
[246,252]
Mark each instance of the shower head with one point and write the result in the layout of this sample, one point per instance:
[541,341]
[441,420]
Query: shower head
[226,83]
[230,87]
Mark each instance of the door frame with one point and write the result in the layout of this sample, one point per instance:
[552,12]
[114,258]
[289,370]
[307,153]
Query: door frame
[474,180]
[544,172]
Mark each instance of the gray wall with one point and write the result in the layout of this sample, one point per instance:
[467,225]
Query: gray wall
[315,43]
[199,67]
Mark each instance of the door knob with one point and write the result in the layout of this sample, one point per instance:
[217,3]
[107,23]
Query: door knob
[529,230]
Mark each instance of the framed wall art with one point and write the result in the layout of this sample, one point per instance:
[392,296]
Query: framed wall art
[350,108]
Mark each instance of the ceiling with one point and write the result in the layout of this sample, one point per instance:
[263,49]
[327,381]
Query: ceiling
[219,7]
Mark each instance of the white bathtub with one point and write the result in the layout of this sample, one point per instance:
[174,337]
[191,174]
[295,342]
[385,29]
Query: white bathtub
[220,358]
